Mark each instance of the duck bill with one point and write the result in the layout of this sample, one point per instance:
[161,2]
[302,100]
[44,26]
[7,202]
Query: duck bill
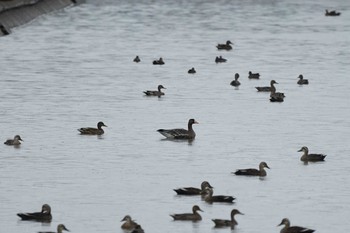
[195,122]
[300,150]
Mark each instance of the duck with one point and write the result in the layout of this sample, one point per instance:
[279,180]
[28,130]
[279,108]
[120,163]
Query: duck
[218,198]
[253,75]
[60,228]
[93,131]
[188,133]
[220,59]
[129,224]
[43,216]
[294,229]
[302,81]
[155,93]
[226,46]
[158,62]
[228,223]
[192,190]
[137,59]
[252,171]
[275,96]
[191,71]
[235,82]
[194,216]
[332,13]
[14,142]
[310,157]
[266,88]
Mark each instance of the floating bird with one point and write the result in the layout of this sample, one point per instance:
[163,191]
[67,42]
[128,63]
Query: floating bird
[294,229]
[220,59]
[137,59]
[129,224]
[43,216]
[228,223]
[311,157]
[155,93]
[14,142]
[266,88]
[93,131]
[191,71]
[253,171]
[180,133]
[218,198]
[302,81]
[275,96]
[194,216]
[332,13]
[235,82]
[193,191]
[158,62]
[60,228]
[226,46]
[253,75]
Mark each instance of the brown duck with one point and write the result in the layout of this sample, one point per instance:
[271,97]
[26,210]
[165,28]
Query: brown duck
[192,190]
[43,216]
[227,223]
[217,198]
[253,171]
[194,216]
[293,229]
[306,157]
[188,134]
[93,131]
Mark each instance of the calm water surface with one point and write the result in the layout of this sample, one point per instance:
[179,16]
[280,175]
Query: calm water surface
[73,68]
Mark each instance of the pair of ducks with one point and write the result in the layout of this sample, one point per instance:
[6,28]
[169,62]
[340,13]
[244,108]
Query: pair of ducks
[301,81]
[332,13]
[155,62]
[274,96]
[251,75]
[43,216]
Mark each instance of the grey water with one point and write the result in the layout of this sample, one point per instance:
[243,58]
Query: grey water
[73,68]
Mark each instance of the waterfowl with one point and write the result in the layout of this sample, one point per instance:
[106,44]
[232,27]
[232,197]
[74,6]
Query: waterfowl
[275,96]
[194,216]
[158,62]
[235,82]
[137,59]
[226,46]
[191,71]
[180,133]
[93,131]
[155,93]
[14,142]
[332,13]
[227,223]
[220,59]
[253,75]
[218,198]
[266,88]
[253,171]
[294,229]
[302,81]
[310,157]
[129,224]
[43,216]
[192,190]
[138,229]
[60,228]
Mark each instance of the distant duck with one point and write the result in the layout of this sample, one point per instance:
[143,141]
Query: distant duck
[14,142]
[332,13]
[217,198]
[266,89]
[156,93]
[194,216]
[192,190]
[137,59]
[253,171]
[4,30]
[275,96]
[253,75]
[235,82]
[43,216]
[180,133]
[294,229]
[192,71]
[129,224]
[227,223]
[226,46]
[220,59]
[158,62]
[60,228]
[306,157]
[302,81]
[93,131]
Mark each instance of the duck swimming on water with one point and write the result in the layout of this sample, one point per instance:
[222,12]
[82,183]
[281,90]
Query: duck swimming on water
[60,228]
[155,93]
[306,157]
[194,216]
[192,190]
[14,142]
[180,133]
[228,223]
[253,171]
[43,216]
[293,229]
[235,82]
[226,46]
[93,131]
